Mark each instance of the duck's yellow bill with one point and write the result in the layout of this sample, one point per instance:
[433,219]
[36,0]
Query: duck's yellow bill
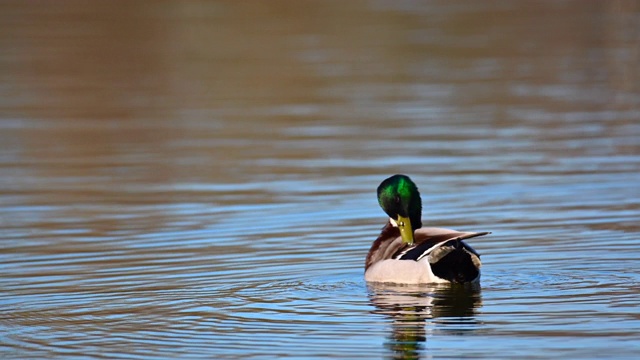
[406,231]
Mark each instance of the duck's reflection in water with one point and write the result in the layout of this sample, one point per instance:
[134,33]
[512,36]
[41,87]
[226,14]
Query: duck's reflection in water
[416,310]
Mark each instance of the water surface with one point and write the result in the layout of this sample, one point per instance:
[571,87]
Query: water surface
[197,179]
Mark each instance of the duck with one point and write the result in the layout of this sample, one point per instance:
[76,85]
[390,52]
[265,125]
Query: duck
[407,253]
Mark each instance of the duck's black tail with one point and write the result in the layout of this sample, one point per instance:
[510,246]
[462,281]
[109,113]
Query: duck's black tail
[455,261]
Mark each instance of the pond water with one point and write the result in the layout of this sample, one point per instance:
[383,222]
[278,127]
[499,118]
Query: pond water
[197,179]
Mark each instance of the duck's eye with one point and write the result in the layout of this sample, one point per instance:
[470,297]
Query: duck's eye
[401,223]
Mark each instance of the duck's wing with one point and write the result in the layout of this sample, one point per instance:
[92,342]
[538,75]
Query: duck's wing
[389,244]
[427,239]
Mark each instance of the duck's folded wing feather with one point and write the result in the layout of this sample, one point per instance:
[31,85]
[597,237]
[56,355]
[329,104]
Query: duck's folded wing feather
[427,238]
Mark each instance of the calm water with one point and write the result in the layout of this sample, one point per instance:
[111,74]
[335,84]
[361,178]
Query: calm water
[197,179]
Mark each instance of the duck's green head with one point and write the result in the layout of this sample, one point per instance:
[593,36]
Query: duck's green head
[399,198]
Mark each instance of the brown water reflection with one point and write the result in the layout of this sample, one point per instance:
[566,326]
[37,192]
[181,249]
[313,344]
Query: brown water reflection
[196,179]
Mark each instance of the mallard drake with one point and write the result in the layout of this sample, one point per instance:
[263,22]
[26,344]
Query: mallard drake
[407,253]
